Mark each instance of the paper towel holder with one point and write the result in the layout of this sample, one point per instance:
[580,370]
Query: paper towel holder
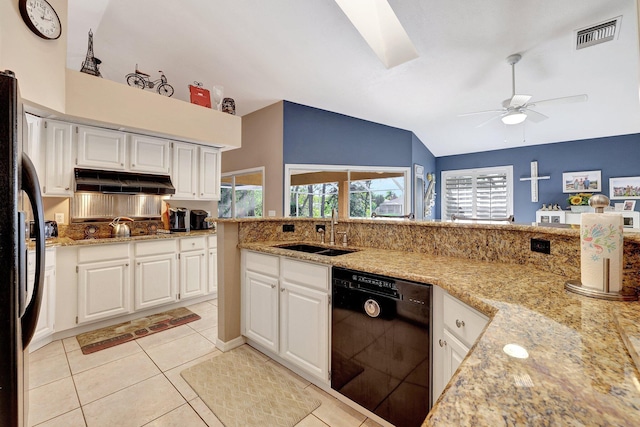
[599,202]
[575,286]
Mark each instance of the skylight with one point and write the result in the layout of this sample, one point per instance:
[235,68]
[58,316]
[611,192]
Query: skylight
[381,29]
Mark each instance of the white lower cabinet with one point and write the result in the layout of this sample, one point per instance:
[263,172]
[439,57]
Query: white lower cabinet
[104,287]
[46,317]
[261,309]
[155,274]
[111,280]
[454,354]
[456,327]
[304,332]
[193,267]
[286,309]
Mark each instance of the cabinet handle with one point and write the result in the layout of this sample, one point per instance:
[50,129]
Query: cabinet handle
[126,265]
[66,189]
[138,263]
[121,164]
[442,343]
[133,166]
[459,323]
[281,289]
[273,286]
[194,194]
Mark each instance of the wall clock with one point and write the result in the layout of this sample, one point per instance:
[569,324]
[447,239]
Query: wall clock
[41,18]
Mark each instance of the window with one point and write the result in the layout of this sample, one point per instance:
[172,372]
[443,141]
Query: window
[313,200]
[477,193]
[313,190]
[376,193]
[241,194]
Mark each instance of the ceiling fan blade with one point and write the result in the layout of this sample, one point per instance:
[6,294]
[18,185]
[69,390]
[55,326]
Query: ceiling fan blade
[480,112]
[519,100]
[534,116]
[562,100]
[490,120]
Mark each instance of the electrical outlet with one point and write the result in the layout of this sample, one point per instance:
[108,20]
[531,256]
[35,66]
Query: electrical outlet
[288,228]
[321,227]
[541,245]
[271,213]
[59,217]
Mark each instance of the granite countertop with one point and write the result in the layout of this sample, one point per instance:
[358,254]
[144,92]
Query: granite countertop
[580,369]
[67,241]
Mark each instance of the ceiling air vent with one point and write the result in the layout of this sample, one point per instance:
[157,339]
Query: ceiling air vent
[600,33]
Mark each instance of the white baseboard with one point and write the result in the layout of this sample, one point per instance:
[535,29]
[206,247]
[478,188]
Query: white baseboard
[229,345]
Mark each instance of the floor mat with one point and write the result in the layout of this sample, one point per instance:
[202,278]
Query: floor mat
[97,340]
[243,390]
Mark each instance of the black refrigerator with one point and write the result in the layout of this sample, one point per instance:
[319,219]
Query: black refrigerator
[18,317]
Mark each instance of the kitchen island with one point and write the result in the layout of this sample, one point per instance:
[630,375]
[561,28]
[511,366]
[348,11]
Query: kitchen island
[579,368]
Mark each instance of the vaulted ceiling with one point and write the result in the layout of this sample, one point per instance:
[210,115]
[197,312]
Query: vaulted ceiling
[310,53]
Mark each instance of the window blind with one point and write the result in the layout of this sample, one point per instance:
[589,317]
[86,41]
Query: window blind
[482,193]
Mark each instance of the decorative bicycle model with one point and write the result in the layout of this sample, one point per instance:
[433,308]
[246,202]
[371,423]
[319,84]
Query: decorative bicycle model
[142,80]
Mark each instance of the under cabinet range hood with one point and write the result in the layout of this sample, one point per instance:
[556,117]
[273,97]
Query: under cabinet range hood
[103,181]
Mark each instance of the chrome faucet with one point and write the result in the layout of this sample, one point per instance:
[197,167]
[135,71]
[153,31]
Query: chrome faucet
[332,230]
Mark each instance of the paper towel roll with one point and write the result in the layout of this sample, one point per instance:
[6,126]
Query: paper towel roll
[601,237]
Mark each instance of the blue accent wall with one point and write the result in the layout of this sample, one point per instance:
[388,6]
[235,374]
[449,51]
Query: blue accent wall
[615,156]
[314,136]
[422,156]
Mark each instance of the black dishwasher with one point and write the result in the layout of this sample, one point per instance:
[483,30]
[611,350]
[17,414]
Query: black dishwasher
[380,344]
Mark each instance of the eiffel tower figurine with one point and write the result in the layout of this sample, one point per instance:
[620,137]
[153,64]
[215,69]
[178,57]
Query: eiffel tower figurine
[90,64]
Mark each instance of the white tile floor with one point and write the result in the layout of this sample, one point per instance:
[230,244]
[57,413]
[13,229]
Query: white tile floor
[139,384]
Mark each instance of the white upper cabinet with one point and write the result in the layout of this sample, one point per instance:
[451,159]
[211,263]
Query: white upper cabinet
[185,170]
[32,144]
[58,159]
[149,155]
[209,173]
[196,172]
[101,148]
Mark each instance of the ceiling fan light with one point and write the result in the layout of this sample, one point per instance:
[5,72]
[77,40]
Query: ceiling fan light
[514,117]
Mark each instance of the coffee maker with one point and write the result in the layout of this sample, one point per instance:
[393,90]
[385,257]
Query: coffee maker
[179,219]
[198,219]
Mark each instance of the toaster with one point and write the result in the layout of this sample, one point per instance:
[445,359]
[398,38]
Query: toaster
[50,229]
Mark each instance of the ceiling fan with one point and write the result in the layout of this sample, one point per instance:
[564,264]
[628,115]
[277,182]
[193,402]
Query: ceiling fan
[518,108]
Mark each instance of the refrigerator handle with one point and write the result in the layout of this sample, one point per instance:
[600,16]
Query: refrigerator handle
[31,186]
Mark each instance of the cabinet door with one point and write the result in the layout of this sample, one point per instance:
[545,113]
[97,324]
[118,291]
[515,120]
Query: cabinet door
[455,352]
[149,154]
[103,290]
[213,271]
[209,182]
[100,148]
[155,281]
[33,145]
[193,274]
[185,173]
[46,318]
[261,309]
[304,328]
[58,163]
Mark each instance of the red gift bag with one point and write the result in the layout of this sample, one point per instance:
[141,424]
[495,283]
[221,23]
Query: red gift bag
[199,95]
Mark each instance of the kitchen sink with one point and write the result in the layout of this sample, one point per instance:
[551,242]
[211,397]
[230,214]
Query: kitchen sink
[318,250]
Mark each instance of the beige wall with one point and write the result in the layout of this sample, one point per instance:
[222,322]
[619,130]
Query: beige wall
[262,145]
[39,64]
[102,101]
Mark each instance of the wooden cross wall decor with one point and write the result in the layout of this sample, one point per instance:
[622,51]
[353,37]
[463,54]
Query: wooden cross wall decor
[534,178]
